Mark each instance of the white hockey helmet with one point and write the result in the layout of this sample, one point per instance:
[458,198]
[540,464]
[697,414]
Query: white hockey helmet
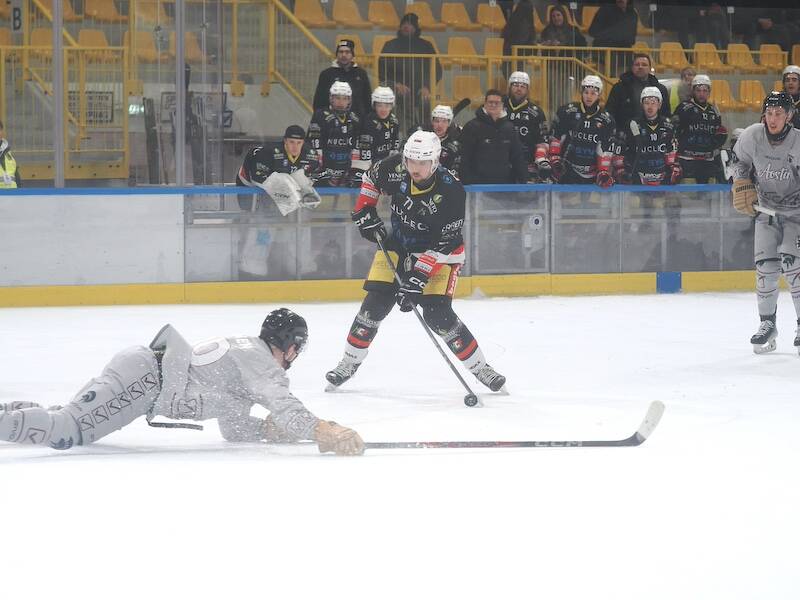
[382,94]
[442,111]
[651,91]
[423,145]
[341,88]
[519,77]
[701,80]
[592,81]
[790,70]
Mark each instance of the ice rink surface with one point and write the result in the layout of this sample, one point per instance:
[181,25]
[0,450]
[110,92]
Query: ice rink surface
[707,508]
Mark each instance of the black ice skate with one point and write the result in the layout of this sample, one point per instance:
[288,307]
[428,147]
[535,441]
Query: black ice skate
[340,373]
[490,378]
[764,339]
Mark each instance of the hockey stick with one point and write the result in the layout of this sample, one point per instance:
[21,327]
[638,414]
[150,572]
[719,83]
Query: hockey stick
[765,210]
[462,104]
[649,423]
[470,399]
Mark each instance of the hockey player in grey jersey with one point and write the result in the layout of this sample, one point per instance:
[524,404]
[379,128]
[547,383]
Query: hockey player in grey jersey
[766,177]
[220,379]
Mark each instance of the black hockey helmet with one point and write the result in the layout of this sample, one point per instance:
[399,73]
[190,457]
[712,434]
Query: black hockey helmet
[282,328]
[778,99]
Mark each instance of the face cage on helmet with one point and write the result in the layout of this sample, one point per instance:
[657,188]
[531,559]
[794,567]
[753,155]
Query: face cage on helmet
[434,165]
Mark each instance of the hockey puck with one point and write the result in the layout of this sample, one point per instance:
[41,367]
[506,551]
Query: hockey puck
[471,400]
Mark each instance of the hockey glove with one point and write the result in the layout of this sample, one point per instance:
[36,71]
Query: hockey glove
[332,437]
[411,290]
[545,170]
[370,225]
[744,196]
[604,179]
[675,173]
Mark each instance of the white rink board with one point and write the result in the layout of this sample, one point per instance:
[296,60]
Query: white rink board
[707,508]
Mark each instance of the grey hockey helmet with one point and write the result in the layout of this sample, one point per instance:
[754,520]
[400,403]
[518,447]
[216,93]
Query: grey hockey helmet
[341,88]
[383,94]
[283,328]
[423,145]
[592,81]
[651,91]
[442,111]
[701,80]
[519,77]
[790,70]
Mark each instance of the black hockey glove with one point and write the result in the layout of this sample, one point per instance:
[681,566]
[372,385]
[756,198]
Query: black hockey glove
[370,225]
[545,171]
[411,290]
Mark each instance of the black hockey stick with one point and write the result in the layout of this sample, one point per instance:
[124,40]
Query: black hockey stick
[649,423]
[470,399]
[462,104]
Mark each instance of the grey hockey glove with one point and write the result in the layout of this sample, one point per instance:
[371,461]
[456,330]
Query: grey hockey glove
[370,225]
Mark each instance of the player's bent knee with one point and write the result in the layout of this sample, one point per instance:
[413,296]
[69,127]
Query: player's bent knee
[379,304]
[439,315]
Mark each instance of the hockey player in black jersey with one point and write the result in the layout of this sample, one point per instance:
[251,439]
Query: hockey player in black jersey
[380,133]
[448,133]
[647,146]
[530,122]
[287,156]
[582,141]
[791,85]
[701,135]
[427,215]
[333,133]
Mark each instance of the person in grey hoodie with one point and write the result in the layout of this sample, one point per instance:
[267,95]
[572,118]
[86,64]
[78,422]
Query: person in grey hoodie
[221,379]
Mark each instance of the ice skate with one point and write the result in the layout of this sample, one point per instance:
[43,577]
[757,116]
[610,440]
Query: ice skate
[340,373]
[764,339]
[490,378]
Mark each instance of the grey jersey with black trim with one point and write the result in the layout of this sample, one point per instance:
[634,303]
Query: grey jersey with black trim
[774,168]
[226,378]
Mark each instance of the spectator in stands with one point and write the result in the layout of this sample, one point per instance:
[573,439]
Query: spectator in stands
[490,148]
[518,31]
[345,69]
[681,89]
[559,32]
[409,77]
[767,28]
[614,26]
[624,99]
[9,173]
[701,21]
[791,85]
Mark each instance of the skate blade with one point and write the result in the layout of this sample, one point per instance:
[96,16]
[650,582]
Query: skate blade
[763,349]
[331,388]
[503,391]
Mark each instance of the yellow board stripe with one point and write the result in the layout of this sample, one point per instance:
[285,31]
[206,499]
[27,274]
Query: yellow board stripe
[350,289]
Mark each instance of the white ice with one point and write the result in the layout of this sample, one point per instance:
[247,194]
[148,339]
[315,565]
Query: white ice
[707,508]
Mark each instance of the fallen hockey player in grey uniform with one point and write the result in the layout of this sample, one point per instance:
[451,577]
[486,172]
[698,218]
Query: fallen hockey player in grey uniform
[219,379]
[766,178]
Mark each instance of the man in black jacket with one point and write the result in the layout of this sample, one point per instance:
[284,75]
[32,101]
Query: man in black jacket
[409,77]
[614,26]
[345,69]
[491,151]
[623,100]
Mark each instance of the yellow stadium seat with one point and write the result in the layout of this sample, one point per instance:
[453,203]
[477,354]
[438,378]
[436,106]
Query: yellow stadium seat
[191,48]
[378,41]
[103,10]
[468,86]
[493,46]
[777,86]
[538,24]
[707,59]
[739,56]
[641,28]
[796,54]
[311,14]
[433,43]
[455,16]
[722,96]
[95,38]
[751,94]
[144,47]
[462,48]
[427,21]
[381,13]
[587,16]
[772,57]
[642,47]
[152,11]
[68,12]
[491,17]
[6,40]
[5,11]
[346,14]
[360,52]
[671,56]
